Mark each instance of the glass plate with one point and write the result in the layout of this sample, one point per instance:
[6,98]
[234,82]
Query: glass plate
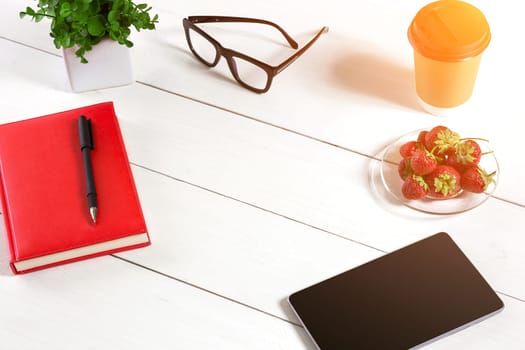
[462,202]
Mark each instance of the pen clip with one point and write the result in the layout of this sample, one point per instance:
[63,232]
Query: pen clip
[86,133]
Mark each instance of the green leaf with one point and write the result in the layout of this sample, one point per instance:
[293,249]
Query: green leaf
[80,52]
[65,9]
[113,36]
[28,12]
[113,16]
[67,42]
[57,43]
[96,25]
[115,27]
[80,17]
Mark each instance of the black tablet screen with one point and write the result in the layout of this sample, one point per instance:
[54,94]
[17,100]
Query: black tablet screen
[397,301]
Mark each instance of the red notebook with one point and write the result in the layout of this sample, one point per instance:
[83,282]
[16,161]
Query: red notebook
[43,190]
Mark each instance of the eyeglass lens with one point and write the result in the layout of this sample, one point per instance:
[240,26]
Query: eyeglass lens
[203,48]
[250,74]
[245,71]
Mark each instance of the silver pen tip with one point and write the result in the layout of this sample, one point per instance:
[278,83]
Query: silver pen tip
[93,212]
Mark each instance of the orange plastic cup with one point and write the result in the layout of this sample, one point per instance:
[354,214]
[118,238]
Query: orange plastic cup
[448,38]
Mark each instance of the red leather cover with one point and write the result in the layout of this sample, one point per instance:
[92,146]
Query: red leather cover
[43,187]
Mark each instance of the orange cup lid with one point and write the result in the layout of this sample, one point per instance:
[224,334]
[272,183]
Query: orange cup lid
[449,30]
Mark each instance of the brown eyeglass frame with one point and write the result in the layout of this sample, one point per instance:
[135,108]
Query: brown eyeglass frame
[229,54]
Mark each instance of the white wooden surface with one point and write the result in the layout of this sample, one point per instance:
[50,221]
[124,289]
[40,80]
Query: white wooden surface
[249,197]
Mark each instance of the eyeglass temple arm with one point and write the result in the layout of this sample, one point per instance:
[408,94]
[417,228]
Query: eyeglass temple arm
[208,19]
[295,56]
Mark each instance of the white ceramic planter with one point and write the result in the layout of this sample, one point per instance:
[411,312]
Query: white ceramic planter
[109,65]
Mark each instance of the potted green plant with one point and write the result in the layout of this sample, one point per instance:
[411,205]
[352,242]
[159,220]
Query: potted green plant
[81,27]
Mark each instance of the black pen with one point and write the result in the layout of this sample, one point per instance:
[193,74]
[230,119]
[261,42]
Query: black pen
[86,145]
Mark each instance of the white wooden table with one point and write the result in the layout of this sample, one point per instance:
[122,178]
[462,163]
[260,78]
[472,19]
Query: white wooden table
[250,197]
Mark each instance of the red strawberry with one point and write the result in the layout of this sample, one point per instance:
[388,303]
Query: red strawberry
[408,148]
[467,153]
[440,138]
[404,169]
[475,179]
[443,182]
[414,187]
[423,162]
[421,137]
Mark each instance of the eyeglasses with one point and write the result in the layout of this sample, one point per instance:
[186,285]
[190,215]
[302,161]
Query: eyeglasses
[251,73]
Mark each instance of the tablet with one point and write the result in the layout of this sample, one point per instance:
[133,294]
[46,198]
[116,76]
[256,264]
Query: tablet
[401,300]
